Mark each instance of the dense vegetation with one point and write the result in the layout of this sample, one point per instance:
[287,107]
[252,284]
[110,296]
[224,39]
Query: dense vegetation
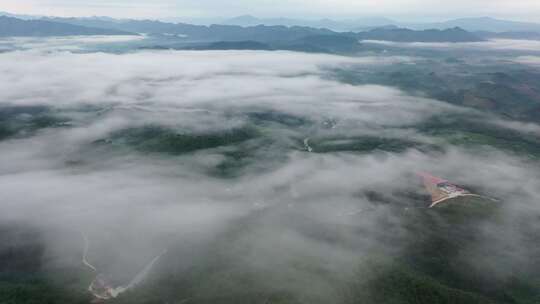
[42,28]
[430,270]
[26,120]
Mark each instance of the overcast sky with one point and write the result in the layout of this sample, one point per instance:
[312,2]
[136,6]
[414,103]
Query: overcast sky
[421,10]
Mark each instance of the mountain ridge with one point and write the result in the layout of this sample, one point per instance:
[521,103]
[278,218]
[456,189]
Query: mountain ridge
[480,24]
[14,27]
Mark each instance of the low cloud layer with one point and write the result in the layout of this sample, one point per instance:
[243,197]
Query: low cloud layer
[529,60]
[71,43]
[493,44]
[133,204]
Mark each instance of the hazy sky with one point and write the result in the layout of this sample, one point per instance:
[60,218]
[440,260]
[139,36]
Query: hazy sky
[401,9]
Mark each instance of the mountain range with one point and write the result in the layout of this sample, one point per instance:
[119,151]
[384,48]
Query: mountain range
[479,24]
[335,25]
[251,32]
[10,26]
[473,24]
[455,34]
[367,23]
[213,32]
[274,34]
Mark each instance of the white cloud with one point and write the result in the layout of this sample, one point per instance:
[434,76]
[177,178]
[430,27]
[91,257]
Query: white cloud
[285,81]
[71,43]
[135,204]
[530,60]
[494,44]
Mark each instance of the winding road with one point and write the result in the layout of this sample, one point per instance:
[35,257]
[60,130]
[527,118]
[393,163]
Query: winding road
[101,289]
[85,253]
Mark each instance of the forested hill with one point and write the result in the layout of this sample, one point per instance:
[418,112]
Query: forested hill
[274,35]
[264,33]
[433,35]
[41,28]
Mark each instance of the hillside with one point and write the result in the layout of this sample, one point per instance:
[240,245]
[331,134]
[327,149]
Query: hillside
[270,33]
[16,27]
[259,33]
[406,35]
[509,35]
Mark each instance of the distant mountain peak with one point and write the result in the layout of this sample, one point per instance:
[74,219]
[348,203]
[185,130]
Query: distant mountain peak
[244,18]
[335,25]
[247,16]
[480,24]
